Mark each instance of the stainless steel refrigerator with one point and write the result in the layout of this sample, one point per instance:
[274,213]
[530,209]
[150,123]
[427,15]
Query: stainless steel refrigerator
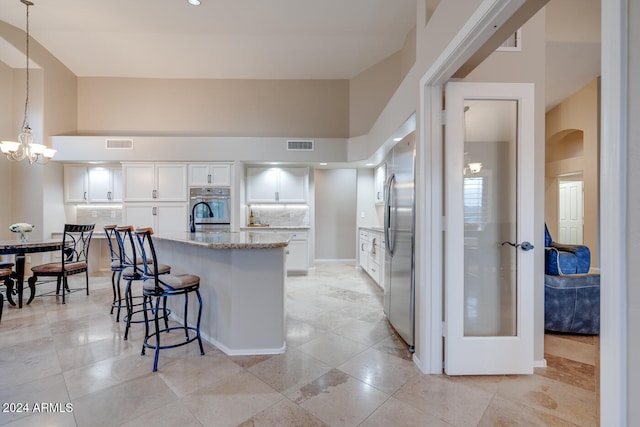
[399,283]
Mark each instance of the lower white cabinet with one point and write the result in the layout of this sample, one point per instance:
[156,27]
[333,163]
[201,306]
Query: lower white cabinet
[371,254]
[162,217]
[298,253]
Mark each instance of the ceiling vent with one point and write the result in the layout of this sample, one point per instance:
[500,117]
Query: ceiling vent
[300,145]
[119,144]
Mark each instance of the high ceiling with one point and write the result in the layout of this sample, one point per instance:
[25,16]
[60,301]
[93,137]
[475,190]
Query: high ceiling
[266,39]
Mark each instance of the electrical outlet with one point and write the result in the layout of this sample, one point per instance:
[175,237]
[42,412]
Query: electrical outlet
[113,214]
[28,258]
[94,214]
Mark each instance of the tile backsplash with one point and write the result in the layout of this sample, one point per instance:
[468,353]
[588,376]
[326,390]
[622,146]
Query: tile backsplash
[280,215]
[99,215]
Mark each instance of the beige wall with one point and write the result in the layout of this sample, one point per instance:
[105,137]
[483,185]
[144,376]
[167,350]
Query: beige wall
[335,214]
[371,90]
[7,130]
[572,140]
[291,108]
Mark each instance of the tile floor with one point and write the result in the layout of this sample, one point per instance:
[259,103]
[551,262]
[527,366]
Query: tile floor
[343,367]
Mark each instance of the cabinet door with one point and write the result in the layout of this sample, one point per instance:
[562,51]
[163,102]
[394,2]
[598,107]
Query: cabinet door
[220,174]
[138,182]
[262,184]
[75,184]
[138,215]
[380,176]
[171,217]
[116,184]
[171,182]
[298,254]
[293,185]
[99,184]
[363,249]
[199,174]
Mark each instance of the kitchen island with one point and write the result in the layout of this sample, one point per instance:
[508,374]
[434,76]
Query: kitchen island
[242,283]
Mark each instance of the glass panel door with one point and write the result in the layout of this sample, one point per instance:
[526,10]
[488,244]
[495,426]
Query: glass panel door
[489,199]
[489,264]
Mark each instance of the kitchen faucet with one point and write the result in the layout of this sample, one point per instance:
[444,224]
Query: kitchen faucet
[192,218]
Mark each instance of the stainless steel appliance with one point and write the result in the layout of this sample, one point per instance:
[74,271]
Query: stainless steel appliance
[399,283]
[210,209]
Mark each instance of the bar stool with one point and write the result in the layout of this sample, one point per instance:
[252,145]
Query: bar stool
[161,287]
[133,270]
[117,266]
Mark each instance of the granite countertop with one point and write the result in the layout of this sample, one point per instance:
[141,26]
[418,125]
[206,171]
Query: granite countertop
[373,228]
[223,240]
[274,227]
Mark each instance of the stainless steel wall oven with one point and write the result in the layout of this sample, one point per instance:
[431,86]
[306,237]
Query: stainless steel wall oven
[210,209]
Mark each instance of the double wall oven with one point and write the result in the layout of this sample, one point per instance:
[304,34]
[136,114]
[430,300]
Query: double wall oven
[210,209]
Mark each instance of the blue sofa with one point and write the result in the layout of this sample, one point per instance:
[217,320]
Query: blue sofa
[572,303]
[561,259]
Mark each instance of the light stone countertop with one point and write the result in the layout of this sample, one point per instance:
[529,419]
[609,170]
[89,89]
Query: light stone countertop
[372,228]
[222,240]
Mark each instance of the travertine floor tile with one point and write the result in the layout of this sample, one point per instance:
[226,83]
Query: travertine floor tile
[344,366]
[231,401]
[339,399]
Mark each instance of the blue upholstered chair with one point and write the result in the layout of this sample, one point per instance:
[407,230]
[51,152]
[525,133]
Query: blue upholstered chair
[563,259]
[572,303]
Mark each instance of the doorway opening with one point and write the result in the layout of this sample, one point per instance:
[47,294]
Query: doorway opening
[571,208]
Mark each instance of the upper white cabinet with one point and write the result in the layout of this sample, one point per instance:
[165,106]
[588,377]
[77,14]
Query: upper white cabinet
[380,175]
[105,184]
[282,185]
[144,182]
[76,184]
[213,174]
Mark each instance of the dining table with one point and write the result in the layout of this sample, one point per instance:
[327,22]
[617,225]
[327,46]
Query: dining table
[20,250]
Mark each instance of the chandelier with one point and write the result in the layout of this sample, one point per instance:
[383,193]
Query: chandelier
[25,148]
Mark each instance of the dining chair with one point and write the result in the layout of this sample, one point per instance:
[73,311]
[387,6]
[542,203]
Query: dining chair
[160,287]
[74,259]
[132,261]
[6,274]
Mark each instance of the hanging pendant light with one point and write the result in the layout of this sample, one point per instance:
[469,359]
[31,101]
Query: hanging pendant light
[25,148]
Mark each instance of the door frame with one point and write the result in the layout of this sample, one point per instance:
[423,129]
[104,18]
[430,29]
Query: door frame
[479,28]
[614,119]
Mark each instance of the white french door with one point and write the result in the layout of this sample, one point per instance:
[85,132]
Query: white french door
[489,264]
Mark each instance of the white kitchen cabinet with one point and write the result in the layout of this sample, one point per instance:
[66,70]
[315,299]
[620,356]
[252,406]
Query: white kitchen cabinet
[75,184]
[379,179]
[375,261]
[298,253]
[105,184]
[162,217]
[214,174]
[143,182]
[281,185]
[363,251]
[371,254]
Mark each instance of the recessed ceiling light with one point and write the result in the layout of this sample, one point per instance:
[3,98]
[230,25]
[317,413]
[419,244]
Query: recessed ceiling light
[397,139]
[194,2]
[323,164]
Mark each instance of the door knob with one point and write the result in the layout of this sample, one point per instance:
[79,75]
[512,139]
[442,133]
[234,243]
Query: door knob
[525,246]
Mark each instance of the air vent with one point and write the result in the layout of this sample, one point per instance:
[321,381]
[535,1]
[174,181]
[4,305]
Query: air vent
[119,144]
[300,145]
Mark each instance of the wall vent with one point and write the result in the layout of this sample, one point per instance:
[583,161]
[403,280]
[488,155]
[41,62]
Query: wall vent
[300,145]
[119,144]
